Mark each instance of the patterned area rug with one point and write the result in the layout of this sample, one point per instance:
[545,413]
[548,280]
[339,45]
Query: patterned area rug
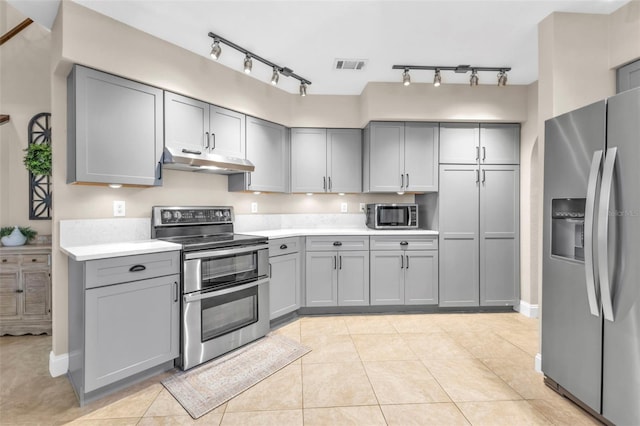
[205,387]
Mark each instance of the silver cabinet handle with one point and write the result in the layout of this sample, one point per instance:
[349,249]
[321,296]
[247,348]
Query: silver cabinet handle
[324,183]
[603,232]
[477,175]
[270,275]
[340,262]
[484,176]
[335,262]
[407,180]
[401,261]
[407,262]
[484,153]
[175,283]
[330,186]
[402,180]
[206,140]
[477,152]
[214,141]
[190,151]
[592,186]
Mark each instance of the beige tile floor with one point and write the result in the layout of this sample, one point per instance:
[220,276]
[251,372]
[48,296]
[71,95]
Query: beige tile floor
[444,369]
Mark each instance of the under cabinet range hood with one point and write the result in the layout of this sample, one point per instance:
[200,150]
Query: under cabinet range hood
[197,161]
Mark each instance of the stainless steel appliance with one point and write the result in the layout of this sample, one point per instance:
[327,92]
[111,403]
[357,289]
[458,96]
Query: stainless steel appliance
[225,285]
[392,216]
[591,257]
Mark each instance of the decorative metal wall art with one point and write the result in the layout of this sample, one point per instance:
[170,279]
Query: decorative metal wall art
[40,185]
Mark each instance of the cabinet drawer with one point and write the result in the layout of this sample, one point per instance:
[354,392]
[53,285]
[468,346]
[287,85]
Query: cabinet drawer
[35,259]
[131,268]
[395,242]
[12,259]
[337,243]
[281,246]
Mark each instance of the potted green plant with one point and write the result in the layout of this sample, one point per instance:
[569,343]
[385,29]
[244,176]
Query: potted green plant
[38,159]
[28,233]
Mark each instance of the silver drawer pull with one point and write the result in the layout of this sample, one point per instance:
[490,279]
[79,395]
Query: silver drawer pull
[137,268]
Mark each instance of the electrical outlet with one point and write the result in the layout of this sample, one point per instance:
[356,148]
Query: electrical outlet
[362,207]
[118,208]
[254,207]
[344,207]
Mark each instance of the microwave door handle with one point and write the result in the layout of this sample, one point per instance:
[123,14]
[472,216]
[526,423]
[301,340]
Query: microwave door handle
[589,261]
[409,215]
[603,232]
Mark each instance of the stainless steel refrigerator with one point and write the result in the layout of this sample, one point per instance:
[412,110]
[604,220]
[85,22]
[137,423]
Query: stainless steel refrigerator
[591,257]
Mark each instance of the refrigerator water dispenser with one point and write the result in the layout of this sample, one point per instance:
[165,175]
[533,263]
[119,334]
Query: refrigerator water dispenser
[567,228]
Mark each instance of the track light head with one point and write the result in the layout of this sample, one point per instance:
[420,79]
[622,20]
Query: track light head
[474,80]
[248,64]
[437,79]
[275,76]
[216,50]
[406,78]
[502,78]
[303,88]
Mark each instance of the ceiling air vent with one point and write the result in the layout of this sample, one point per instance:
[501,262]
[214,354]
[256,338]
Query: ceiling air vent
[350,64]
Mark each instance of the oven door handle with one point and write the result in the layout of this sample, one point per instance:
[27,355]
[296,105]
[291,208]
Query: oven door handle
[225,252]
[193,297]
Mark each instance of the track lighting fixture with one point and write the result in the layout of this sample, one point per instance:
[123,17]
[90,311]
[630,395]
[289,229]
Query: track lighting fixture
[437,79]
[216,51]
[474,80]
[502,78]
[406,78]
[248,64]
[460,69]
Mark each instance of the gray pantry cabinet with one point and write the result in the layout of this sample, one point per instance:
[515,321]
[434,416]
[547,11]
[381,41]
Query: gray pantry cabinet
[196,127]
[268,148]
[326,160]
[479,215]
[124,320]
[337,271]
[404,270]
[285,276]
[115,129]
[400,156]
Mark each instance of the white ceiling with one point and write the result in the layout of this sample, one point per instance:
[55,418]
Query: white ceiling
[307,36]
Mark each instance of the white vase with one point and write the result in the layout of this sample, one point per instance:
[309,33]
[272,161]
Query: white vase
[14,239]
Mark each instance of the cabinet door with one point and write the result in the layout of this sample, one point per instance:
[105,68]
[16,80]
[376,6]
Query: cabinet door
[9,292]
[628,77]
[421,157]
[387,277]
[322,278]
[227,129]
[284,284]
[344,160]
[186,123]
[129,328]
[386,159]
[459,143]
[353,278]
[421,278]
[499,236]
[36,285]
[500,143]
[309,160]
[115,131]
[459,247]
[268,150]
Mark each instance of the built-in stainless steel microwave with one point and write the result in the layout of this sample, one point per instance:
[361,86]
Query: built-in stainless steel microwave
[392,216]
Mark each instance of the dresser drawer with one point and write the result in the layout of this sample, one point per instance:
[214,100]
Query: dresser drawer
[131,268]
[281,246]
[400,242]
[35,259]
[337,243]
[10,259]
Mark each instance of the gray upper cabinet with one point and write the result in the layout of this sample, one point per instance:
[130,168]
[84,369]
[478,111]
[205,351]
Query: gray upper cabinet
[400,157]
[115,129]
[628,77]
[267,147]
[326,160]
[459,143]
[196,127]
[499,143]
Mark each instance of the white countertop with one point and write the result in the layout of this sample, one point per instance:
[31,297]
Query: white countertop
[103,251]
[301,232]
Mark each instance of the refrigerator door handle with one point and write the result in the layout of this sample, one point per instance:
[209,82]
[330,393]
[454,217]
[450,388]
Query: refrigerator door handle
[592,187]
[603,232]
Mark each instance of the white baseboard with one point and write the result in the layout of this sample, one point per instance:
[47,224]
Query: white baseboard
[538,365]
[528,310]
[58,364]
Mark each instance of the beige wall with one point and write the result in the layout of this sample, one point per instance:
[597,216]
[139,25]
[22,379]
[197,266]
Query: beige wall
[24,92]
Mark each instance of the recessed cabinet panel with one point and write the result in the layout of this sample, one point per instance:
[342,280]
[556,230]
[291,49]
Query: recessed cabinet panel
[284,284]
[353,278]
[499,143]
[227,132]
[421,278]
[268,149]
[386,156]
[421,157]
[186,123]
[322,278]
[309,160]
[387,277]
[36,292]
[459,143]
[9,286]
[344,160]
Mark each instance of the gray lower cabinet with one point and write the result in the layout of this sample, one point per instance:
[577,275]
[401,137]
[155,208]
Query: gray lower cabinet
[285,276]
[404,270]
[115,129]
[268,148]
[326,160]
[337,271]
[124,320]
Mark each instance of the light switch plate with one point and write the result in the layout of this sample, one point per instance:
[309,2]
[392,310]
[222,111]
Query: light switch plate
[254,207]
[118,208]
[362,207]
[344,207]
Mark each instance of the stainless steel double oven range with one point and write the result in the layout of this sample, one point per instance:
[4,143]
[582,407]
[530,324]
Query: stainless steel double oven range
[225,284]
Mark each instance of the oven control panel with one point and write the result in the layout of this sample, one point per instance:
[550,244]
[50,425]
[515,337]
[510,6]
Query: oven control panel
[193,215]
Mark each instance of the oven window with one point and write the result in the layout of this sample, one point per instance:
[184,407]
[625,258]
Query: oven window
[229,312]
[229,269]
[393,215]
